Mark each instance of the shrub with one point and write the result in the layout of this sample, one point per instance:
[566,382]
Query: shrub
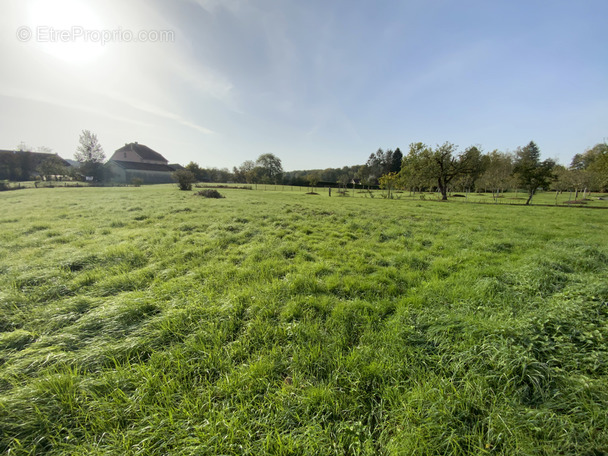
[184,179]
[210,193]
[137,181]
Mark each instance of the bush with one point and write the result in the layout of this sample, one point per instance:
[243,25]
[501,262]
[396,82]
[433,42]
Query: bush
[209,193]
[184,179]
[137,182]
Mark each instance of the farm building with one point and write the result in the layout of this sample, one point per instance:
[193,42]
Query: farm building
[136,161]
[24,165]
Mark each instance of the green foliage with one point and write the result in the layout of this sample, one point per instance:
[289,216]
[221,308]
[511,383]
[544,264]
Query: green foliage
[439,167]
[531,173]
[269,169]
[137,182]
[210,193]
[185,178]
[52,166]
[145,321]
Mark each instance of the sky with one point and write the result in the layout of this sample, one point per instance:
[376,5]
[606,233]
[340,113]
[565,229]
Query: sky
[317,83]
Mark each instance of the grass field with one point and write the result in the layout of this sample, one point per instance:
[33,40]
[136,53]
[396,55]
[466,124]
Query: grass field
[151,321]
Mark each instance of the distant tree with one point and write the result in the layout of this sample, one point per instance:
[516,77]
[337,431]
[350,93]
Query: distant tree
[594,162]
[244,173]
[344,179]
[440,165]
[466,181]
[270,168]
[413,174]
[562,179]
[185,178]
[396,160]
[23,147]
[378,164]
[389,181]
[313,178]
[90,155]
[497,172]
[599,170]
[532,173]
[196,170]
[52,166]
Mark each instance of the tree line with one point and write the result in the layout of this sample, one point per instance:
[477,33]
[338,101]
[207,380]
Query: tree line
[442,168]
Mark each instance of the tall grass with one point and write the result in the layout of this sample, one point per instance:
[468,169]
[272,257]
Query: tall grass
[149,321]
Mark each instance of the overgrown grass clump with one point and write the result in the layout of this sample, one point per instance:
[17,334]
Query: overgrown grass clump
[145,321]
[209,193]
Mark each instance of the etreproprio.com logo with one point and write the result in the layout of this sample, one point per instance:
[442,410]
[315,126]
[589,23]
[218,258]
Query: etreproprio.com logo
[46,34]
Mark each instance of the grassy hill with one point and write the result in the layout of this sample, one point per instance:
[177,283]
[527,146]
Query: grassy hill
[151,321]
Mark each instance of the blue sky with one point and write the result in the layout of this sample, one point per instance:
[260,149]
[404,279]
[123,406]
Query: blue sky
[318,83]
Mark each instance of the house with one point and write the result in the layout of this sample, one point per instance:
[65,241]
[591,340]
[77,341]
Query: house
[136,161]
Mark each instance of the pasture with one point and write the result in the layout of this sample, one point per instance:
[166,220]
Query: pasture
[151,321]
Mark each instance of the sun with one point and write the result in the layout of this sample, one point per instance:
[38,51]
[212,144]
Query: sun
[67,29]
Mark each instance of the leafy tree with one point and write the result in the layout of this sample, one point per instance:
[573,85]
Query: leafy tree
[90,155]
[389,181]
[380,163]
[497,172]
[313,179]
[440,165]
[599,170]
[196,170]
[531,173]
[270,168]
[185,178]
[52,166]
[343,180]
[244,173]
[594,162]
[413,173]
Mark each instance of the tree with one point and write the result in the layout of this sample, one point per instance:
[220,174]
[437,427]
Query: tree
[52,166]
[380,163]
[396,160]
[389,181]
[440,165]
[185,178]
[196,170]
[531,173]
[270,168]
[497,172]
[594,162]
[244,173]
[90,155]
[413,173]
[313,179]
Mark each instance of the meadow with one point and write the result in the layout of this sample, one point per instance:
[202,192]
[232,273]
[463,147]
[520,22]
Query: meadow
[147,320]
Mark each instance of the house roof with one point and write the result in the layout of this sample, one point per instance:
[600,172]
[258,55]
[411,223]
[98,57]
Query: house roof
[136,166]
[143,151]
[35,157]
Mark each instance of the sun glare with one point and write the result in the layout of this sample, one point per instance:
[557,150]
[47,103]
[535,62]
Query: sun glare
[68,30]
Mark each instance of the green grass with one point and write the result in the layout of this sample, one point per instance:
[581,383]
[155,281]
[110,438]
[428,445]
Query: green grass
[150,321]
